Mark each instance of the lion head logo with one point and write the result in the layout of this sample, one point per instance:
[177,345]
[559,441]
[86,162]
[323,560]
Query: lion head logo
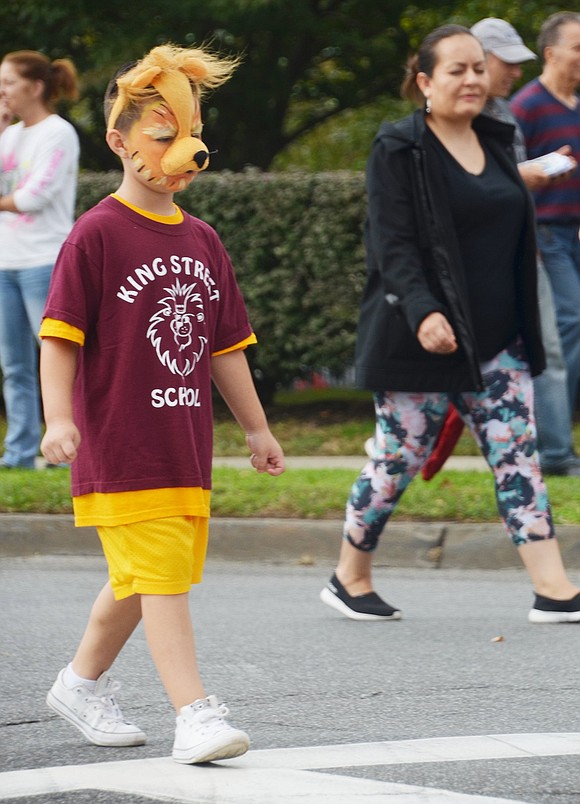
[171,329]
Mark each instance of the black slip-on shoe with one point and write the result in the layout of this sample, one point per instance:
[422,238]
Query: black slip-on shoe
[360,607]
[548,610]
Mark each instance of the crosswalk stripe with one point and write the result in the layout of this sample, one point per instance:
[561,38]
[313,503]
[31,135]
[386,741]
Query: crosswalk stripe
[285,775]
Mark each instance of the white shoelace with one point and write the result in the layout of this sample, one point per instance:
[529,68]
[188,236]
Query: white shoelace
[210,715]
[219,713]
[111,709]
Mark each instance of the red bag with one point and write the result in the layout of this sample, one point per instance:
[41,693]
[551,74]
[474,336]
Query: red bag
[444,444]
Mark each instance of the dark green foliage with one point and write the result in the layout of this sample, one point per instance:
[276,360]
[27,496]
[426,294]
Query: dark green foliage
[296,243]
[304,61]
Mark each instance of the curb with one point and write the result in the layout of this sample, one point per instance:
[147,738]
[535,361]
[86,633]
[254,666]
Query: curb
[434,545]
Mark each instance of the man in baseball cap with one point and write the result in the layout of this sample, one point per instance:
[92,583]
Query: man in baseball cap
[505,52]
[500,38]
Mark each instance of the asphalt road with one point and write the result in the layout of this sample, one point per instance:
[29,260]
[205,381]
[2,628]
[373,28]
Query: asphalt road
[461,701]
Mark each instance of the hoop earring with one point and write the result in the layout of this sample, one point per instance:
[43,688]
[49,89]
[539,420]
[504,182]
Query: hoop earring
[427,105]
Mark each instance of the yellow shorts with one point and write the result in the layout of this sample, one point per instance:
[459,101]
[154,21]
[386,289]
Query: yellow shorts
[156,557]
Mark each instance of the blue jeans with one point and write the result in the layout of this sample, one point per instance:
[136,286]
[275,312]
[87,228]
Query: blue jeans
[560,249]
[552,408]
[22,299]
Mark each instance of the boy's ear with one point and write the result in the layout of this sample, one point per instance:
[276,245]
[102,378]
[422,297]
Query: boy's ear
[116,142]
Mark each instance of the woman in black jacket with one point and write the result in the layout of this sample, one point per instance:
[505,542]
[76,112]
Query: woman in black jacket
[449,314]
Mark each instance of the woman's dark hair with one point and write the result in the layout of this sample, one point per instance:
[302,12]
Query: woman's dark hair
[59,77]
[425,59]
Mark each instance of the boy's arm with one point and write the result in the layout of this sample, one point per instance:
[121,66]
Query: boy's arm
[232,377]
[58,362]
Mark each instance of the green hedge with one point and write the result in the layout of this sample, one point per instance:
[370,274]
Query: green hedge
[296,243]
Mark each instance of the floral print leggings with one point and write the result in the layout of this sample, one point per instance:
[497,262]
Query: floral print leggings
[502,422]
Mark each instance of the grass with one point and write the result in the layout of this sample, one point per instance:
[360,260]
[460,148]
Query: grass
[305,494]
[321,494]
[328,422]
[312,422]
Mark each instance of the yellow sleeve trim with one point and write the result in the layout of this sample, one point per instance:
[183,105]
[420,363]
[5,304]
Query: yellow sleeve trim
[241,345]
[53,328]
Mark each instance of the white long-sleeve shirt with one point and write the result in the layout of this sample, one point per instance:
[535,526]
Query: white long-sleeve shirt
[38,167]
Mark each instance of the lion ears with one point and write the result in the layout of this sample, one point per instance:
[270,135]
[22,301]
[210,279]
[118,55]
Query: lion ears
[173,72]
[193,68]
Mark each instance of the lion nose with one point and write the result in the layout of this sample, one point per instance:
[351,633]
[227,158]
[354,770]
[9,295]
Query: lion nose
[200,159]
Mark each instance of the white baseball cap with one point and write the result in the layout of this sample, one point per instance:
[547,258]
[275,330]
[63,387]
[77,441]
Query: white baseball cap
[500,38]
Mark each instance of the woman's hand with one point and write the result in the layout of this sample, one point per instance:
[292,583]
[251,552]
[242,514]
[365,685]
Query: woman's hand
[436,335]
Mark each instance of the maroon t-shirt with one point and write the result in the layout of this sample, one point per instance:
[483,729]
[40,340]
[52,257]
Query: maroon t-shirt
[154,300]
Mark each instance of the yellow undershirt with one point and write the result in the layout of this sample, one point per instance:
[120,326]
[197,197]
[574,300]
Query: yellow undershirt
[125,507]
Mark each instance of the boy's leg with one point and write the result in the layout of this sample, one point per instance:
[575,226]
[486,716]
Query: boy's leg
[110,625]
[169,632]
[201,733]
[167,558]
[83,693]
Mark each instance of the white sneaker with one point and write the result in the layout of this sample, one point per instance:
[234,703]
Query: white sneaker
[96,714]
[202,734]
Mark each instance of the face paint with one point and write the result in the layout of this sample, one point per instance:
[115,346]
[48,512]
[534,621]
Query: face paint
[149,140]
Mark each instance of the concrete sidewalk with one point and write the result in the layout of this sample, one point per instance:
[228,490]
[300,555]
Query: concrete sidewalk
[466,463]
[355,462]
[404,544]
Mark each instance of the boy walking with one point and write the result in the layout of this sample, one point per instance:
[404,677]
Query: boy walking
[143,313]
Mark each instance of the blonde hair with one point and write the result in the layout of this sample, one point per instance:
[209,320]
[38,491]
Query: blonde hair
[205,70]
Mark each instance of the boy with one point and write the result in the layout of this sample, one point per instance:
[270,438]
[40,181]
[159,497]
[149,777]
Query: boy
[142,314]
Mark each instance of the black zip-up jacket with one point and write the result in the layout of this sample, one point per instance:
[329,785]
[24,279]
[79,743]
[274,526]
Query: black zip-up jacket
[414,265]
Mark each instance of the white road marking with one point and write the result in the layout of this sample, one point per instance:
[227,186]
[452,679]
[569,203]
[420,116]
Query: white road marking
[438,749]
[285,775]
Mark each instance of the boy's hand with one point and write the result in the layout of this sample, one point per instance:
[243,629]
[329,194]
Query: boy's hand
[267,455]
[60,442]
